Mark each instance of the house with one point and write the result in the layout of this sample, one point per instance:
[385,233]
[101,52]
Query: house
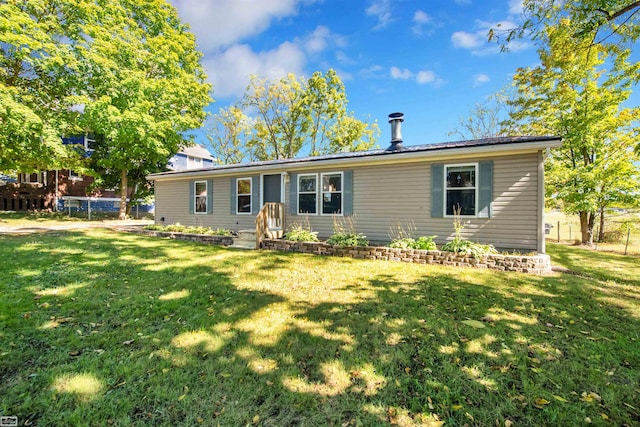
[497,184]
[66,189]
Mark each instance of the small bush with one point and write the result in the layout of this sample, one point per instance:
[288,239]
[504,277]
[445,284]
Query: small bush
[424,243]
[300,233]
[348,239]
[468,247]
[344,234]
[179,228]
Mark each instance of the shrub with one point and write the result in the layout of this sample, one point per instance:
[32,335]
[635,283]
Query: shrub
[344,234]
[464,246]
[468,247]
[348,239]
[423,242]
[179,228]
[300,233]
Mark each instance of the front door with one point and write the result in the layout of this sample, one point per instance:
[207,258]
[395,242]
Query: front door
[272,188]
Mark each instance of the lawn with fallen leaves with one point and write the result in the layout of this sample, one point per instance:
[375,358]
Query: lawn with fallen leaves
[103,328]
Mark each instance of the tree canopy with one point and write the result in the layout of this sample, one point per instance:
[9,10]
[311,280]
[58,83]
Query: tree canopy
[577,92]
[606,22]
[291,116]
[126,70]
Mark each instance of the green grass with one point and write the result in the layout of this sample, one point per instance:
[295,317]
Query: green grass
[100,328]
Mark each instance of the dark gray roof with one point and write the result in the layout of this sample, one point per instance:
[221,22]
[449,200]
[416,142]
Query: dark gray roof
[498,141]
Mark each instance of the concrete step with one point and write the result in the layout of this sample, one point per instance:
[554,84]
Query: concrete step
[246,240]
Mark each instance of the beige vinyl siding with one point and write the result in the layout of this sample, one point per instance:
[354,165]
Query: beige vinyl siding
[172,203]
[387,196]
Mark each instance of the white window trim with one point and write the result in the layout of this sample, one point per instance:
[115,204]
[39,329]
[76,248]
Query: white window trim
[194,162]
[321,193]
[195,197]
[250,194]
[300,176]
[74,176]
[26,178]
[476,187]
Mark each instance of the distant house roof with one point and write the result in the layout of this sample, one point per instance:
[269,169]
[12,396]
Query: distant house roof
[4,179]
[197,151]
[441,149]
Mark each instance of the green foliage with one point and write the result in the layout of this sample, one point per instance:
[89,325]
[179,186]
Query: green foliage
[573,95]
[348,239]
[344,233]
[292,114]
[124,70]
[301,233]
[423,242]
[229,134]
[609,23]
[179,228]
[463,246]
[145,331]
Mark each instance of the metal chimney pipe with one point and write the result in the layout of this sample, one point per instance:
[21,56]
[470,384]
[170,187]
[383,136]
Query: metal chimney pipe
[396,120]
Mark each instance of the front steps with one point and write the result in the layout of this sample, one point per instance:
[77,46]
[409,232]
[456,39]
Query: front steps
[246,240]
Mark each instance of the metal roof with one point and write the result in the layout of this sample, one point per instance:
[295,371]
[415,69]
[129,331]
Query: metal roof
[500,143]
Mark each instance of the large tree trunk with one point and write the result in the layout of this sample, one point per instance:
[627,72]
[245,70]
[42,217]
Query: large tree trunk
[122,213]
[587,220]
[132,198]
[601,231]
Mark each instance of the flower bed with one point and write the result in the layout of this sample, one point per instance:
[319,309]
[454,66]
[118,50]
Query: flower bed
[211,239]
[535,264]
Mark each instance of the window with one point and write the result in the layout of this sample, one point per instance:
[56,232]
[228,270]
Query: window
[460,189]
[194,162]
[30,177]
[89,142]
[200,197]
[308,194]
[331,193]
[243,195]
[74,176]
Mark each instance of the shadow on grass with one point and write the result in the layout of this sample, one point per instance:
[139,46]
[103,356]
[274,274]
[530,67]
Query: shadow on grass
[114,329]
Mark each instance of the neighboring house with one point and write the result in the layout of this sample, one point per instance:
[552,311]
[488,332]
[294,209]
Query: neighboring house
[497,183]
[195,157]
[66,189]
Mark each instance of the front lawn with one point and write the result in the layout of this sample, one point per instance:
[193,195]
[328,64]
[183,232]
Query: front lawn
[101,328]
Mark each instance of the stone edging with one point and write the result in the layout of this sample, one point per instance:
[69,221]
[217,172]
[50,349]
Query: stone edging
[535,264]
[201,238]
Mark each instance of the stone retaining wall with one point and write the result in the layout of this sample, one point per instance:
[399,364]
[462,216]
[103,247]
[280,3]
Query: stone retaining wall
[200,238]
[535,264]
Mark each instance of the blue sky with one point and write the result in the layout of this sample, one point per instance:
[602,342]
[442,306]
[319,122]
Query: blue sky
[428,59]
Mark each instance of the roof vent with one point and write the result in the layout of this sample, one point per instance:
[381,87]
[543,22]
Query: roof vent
[396,120]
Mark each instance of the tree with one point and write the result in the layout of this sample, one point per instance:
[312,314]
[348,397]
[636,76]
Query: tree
[486,120]
[142,87]
[230,134]
[606,22]
[296,116]
[574,95]
[35,107]
[123,69]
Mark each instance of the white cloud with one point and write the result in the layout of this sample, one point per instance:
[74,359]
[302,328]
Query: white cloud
[420,19]
[466,40]
[397,73]
[422,77]
[516,7]
[478,43]
[222,23]
[229,70]
[322,38]
[381,9]
[480,79]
